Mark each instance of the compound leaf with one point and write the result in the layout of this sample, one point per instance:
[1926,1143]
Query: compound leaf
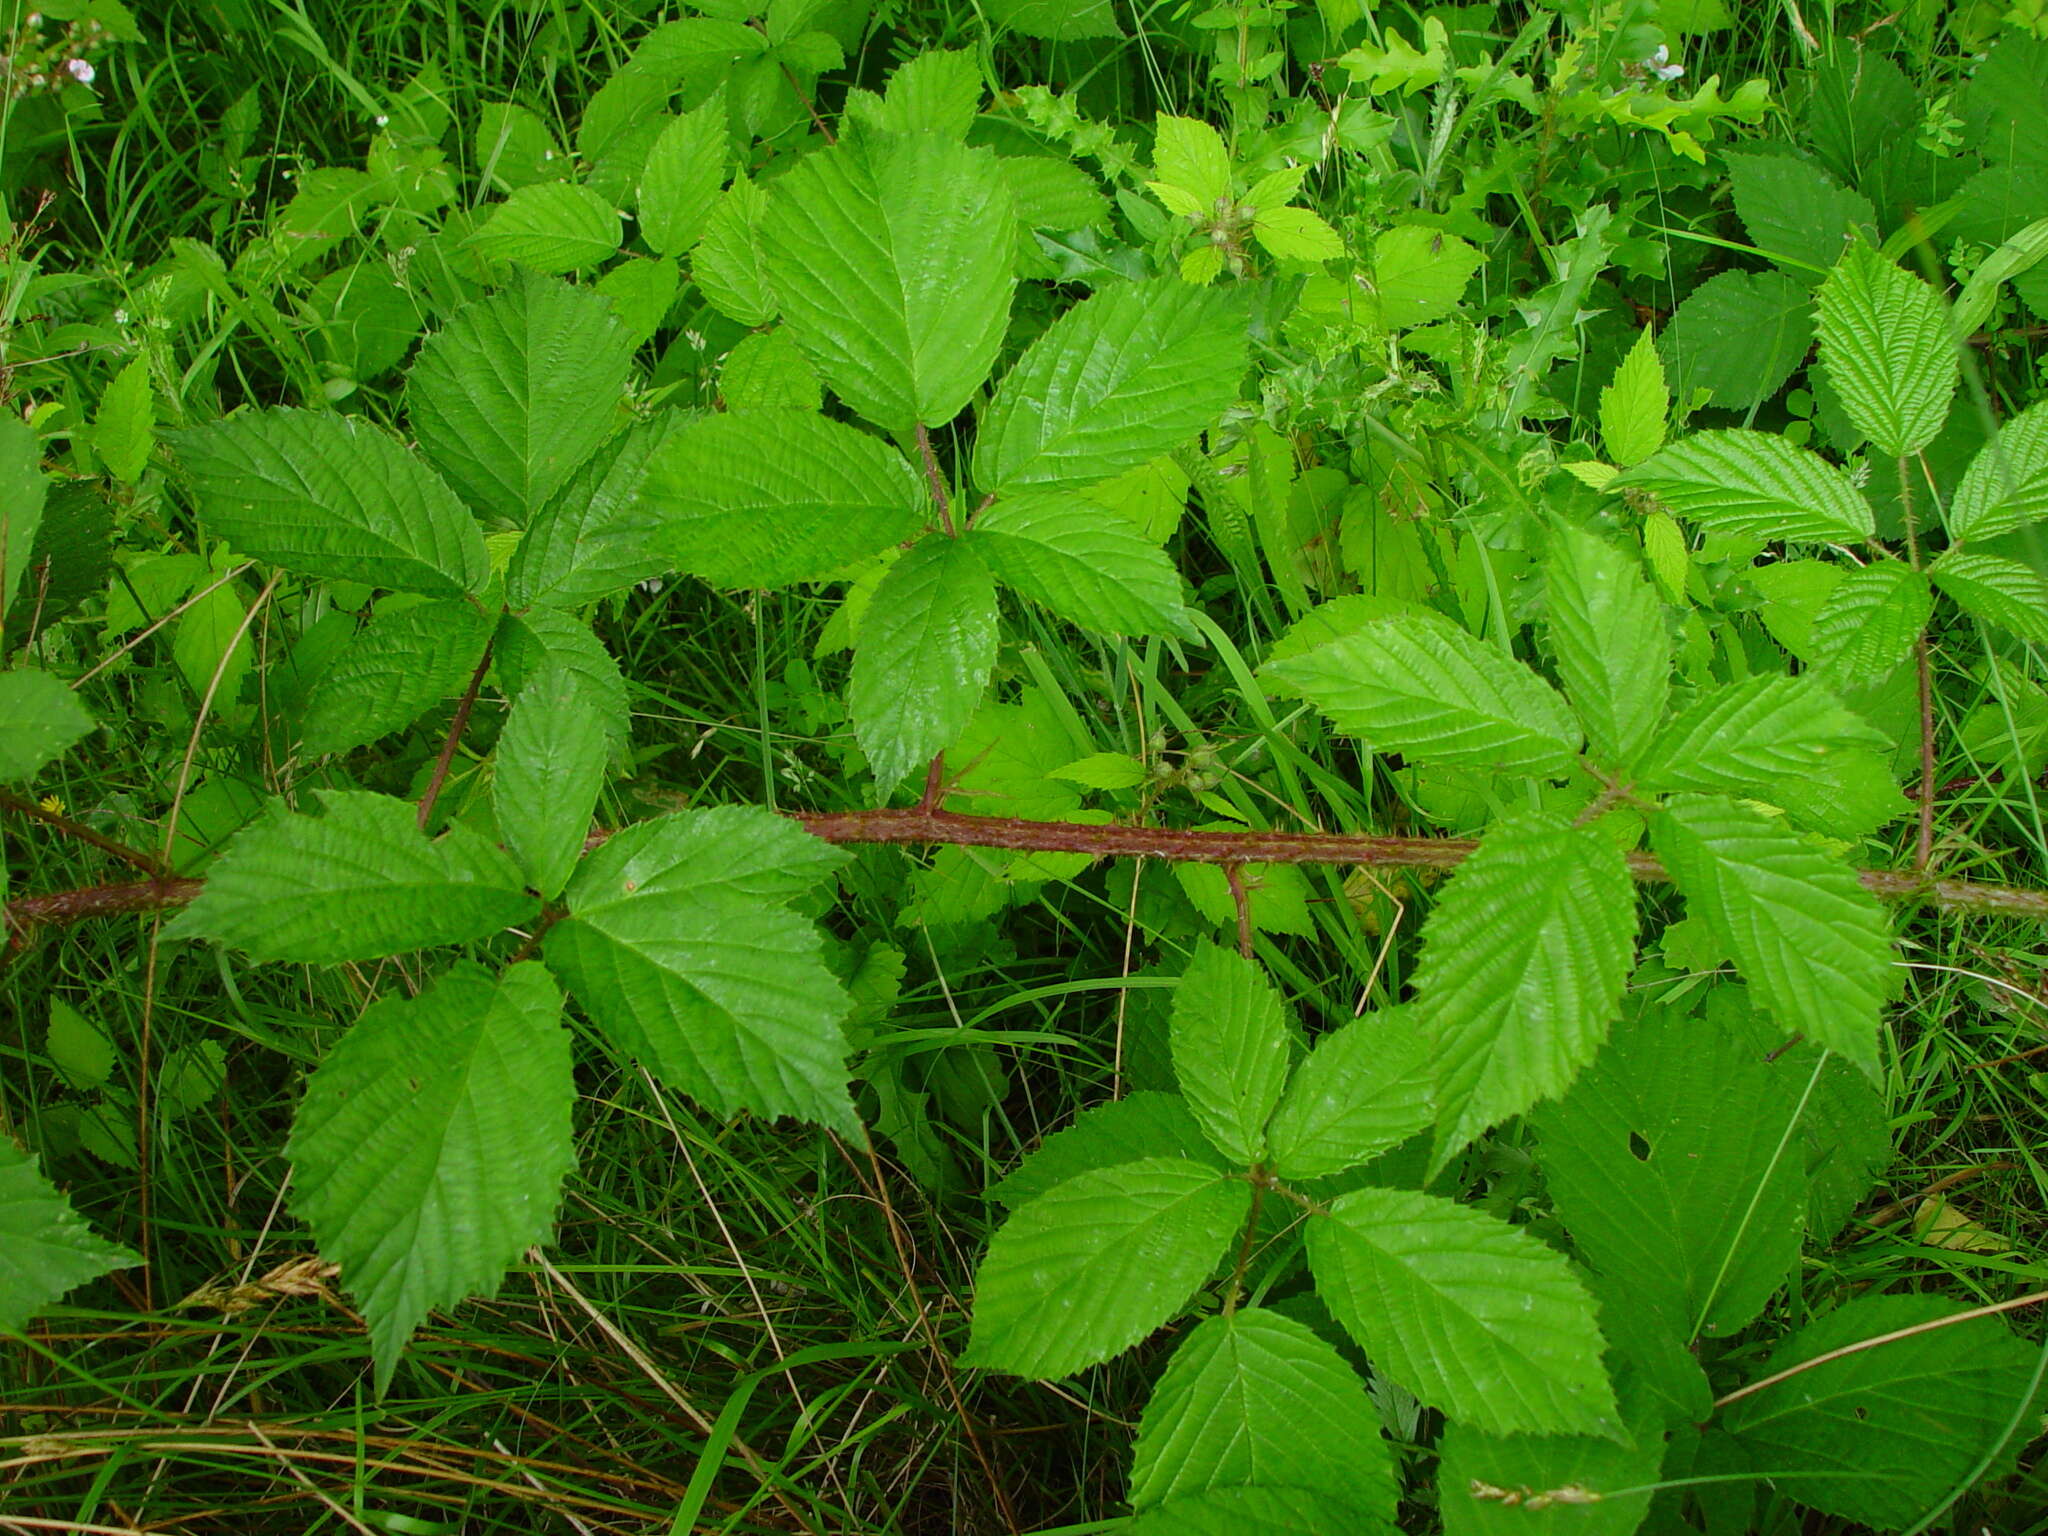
[927,644]
[1255,1398]
[1523,962]
[551,760]
[1635,408]
[1421,686]
[1083,562]
[40,720]
[45,1248]
[768,499]
[1364,1088]
[1607,629]
[358,882]
[1754,484]
[551,226]
[1471,1315]
[431,1148]
[1123,377]
[333,496]
[1230,1037]
[1886,344]
[880,252]
[1742,736]
[1813,945]
[1996,590]
[2006,485]
[403,662]
[1093,1265]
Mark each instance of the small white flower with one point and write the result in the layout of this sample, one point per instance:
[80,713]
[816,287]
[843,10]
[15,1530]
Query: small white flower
[79,70]
[1660,65]
[120,317]
[382,120]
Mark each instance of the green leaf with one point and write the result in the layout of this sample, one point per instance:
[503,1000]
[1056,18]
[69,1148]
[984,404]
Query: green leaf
[2006,485]
[1091,1267]
[40,720]
[1739,336]
[679,183]
[1253,1397]
[124,430]
[1189,156]
[1420,274]
[727,264]
[1742,736]
[553,226]
[881,254]
[1060,20]
[1365,1088]
[1690,1211]
[1813,945]
[1147,1124]
[595,537]
[1885,1434]
[541,637]
[211,645]
[1755,484]
[768,499]
[1121,378]
[1231,1049]
[516,391]
[1297,234]
[1634,409]
[402,664]
[1257,1511]
[1884,339]
[1471,1315]
[1523,963]
[1797,211]
[1869,623]
[640,290]
[432,1144]
[1478,1472]
[1996,590]
[335,497]
[551,762]
[1083,562]
[79,1048]
[1421,686]
[23,488]
[679,946]
[1607,629]
[938,91]
[926,648]
[356,883]
[45,1249]
[767,371]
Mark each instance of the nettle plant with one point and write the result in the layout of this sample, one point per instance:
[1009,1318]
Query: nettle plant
[1335,1223]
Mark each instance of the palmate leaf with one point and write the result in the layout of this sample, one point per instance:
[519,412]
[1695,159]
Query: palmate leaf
[1231,1046]
[1813,945]
[1421,686]
[1083,562]
[1883,1435]
[2006,485]
[1885,340]
[927,645]
[1471,1315]
[1258,1511]
[45,1249]
[1997,590]
[516,391]
[432,1145]
[1743,736]
[1607,629]
[1146,1124]
[594,538]
[881,255]
[679,947]
[404,662]
[1755,484]
[40,720]
[1365,1088]
[1523,962]
[358,882]
[1094,1265]
[332,496]
[779,497]
[1689,1211]
[1255,1398]
[551,760]
[1121,378]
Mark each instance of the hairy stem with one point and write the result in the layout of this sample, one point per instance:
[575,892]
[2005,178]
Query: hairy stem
[456,727]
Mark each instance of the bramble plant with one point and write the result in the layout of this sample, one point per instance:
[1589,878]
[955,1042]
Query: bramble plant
[1461,873]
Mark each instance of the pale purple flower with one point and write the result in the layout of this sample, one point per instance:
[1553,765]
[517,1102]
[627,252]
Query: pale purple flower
[1660,65]
[79,70]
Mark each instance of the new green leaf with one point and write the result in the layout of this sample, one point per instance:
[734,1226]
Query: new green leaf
[1813,945]
[1885,340]
[1365,1088]
[1752,483]
[1091,1267]
[1607,629]
[1421,686]
[881,254]
[551,760]
[332,496]
[1231,1048]
[1471,1315]
[358,882]
[1634,408]
[926,647]
[1083,562]
[431,1148]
